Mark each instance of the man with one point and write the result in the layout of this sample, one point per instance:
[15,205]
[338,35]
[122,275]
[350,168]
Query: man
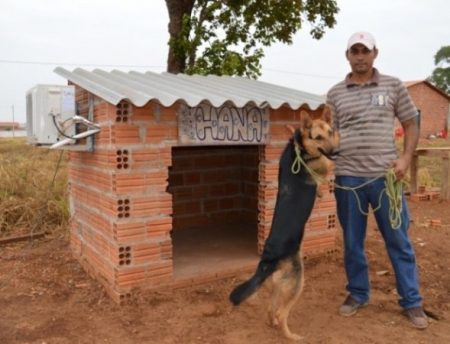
[364,107]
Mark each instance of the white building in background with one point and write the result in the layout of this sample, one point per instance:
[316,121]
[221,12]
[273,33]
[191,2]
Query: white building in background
[12,129]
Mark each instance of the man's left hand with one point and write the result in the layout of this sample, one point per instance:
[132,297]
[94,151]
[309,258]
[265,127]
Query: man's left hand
[400,167]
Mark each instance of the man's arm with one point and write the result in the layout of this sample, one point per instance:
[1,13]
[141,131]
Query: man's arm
[411,130]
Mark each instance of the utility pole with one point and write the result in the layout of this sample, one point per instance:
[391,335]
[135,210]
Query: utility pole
[13,124]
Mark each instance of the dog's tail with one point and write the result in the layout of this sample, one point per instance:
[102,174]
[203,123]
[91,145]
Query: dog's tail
[244,290]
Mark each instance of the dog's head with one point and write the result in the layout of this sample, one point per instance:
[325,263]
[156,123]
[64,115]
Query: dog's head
[315,136]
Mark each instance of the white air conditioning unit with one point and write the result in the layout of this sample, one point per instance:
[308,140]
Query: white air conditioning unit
[48,107]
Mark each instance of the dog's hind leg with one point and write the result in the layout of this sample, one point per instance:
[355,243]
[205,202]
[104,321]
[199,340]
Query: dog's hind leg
[287,287]
[274,304]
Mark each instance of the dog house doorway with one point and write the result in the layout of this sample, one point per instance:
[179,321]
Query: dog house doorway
[215,210]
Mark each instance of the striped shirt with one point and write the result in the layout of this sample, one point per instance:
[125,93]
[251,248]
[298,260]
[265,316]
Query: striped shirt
[364,116]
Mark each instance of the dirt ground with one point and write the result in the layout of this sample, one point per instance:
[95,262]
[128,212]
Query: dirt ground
[46,297]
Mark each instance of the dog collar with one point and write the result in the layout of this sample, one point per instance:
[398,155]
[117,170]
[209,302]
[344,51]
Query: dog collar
[307,157]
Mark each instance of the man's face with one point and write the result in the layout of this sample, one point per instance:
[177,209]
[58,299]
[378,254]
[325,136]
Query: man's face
[361,58]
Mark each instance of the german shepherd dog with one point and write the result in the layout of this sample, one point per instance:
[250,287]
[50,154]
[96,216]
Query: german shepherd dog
[281,255]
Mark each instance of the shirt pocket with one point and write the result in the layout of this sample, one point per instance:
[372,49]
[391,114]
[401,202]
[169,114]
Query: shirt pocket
[382,101]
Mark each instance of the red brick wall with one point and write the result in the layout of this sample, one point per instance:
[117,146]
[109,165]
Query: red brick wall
[434,108]
[216,184]
[121,210]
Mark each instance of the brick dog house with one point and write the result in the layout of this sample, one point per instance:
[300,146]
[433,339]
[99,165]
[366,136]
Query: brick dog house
[179,186]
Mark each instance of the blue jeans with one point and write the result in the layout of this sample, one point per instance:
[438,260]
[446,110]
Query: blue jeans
[398,245]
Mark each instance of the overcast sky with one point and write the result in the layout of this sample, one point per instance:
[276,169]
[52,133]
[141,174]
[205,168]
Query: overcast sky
[37,36]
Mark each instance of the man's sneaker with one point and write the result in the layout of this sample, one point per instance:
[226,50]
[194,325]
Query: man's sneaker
[350,306]
[417,317]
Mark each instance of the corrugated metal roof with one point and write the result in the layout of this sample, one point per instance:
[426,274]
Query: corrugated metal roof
[140,88]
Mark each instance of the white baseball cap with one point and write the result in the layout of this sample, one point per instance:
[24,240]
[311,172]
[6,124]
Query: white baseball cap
[365,38]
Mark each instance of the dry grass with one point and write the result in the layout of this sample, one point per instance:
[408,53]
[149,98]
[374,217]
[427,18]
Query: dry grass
[430,168]
[433,164]
[30,200]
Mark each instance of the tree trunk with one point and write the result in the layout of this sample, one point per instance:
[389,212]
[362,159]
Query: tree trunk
[176,59]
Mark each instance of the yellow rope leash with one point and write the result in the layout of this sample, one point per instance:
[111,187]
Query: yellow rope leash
[353,189]
[394,191]
[298,161]
[393,188]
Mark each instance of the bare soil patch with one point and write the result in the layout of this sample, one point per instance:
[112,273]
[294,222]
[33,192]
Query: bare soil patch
[46,297]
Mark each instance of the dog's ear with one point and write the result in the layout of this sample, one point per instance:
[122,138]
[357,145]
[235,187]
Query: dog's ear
[295,133]
[305,120]
[297,136]
[326,114]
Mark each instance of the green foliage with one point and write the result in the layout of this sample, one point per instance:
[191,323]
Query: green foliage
[441,74]
[227,37]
